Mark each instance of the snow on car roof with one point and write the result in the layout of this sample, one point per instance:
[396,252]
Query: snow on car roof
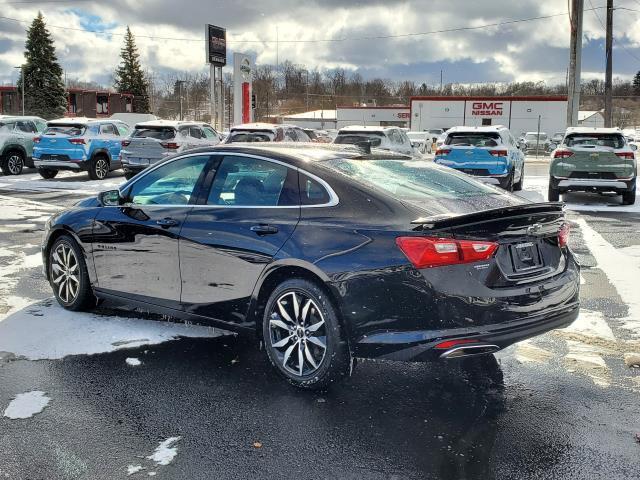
[255,126]
[364,128]
[166,123]
[593,130]
[491,128]
[80,121]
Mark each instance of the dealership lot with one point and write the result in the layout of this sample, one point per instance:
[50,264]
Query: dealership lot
[121,392]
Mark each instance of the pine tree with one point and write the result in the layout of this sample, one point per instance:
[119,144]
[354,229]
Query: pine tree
[129,77]
[636,84]
[45,94]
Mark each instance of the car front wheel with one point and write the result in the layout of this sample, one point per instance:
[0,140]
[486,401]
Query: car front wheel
[68,275]
[303,337]
[12,163]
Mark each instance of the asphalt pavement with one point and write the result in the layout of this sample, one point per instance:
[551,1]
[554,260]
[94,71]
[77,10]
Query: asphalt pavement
[123,394]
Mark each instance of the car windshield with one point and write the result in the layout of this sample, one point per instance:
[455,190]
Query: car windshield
[71,130]
[159,133]
[473,139]
[534,136]
[354,139]
[241,136]
[410,179]
[595,140]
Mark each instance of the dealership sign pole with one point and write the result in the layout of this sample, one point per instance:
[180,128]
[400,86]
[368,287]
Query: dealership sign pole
[216,40]
[242,88]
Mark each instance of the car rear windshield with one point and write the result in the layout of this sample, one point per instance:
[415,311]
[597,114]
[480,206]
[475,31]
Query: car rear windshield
[159,133]
[595,140]
[473,139]
[411,179]
[71,130]
[236,137]
[354,139]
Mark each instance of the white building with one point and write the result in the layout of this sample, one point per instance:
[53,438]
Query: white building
[393,116]
[318,119]
[590,118]
[519,114]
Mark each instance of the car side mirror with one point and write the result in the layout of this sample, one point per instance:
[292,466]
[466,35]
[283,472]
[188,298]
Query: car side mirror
[110,198]
[633,146]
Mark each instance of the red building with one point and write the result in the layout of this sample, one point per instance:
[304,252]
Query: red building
[80,102]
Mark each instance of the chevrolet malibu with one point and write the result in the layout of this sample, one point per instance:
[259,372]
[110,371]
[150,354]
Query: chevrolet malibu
[324,253]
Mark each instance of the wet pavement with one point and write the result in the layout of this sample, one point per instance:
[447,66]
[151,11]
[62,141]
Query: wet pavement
[564,405]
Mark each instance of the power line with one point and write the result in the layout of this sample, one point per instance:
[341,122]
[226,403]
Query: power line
[630,53]
[322,40]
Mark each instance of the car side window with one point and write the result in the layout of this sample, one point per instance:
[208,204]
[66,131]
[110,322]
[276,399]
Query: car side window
[122,130]
[209,133]
[195,132]
[107,129]
[302,136]
[183,132]
[25,127]
[171,184]
[41,126]
[395,137]
[246,181]
[312,192]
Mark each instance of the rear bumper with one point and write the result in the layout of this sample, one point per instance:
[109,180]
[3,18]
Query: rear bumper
[420,345]
[59,165]
[133,167]
[592,185]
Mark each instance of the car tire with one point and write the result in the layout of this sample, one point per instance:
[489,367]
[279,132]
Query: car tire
[12,162]
[305,343]
[554,194]
[47,173]
[129,175]
[629,198]
[99,167]
[507,184]
[68,275]
[518,186]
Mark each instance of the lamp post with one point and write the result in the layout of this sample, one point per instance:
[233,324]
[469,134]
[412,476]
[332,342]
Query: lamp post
[21,67]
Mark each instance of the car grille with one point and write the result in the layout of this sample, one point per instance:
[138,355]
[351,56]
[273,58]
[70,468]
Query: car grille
[475,171]
[594,175]
[49,156]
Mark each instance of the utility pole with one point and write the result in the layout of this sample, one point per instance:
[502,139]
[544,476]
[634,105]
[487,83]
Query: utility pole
[575,62]
[608,80]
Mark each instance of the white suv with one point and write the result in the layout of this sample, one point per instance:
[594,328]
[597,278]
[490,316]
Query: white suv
[387,138]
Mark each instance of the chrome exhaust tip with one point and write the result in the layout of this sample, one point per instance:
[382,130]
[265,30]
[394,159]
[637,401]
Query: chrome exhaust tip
[469,351]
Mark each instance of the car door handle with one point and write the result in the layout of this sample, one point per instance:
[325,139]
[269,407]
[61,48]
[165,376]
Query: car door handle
[167,222]
[263,229]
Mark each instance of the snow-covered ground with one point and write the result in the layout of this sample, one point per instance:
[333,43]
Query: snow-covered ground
[71,182]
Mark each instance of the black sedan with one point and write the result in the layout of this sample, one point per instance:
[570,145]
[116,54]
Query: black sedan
[325,254]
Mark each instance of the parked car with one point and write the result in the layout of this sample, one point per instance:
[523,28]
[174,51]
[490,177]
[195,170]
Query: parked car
[150,142]
[387,138]
[266,132]
[556,140]
[80,144]
[594,160]
[317,136]
[421,141]
[16,142]
[325,254]
[490,153]
[532,142]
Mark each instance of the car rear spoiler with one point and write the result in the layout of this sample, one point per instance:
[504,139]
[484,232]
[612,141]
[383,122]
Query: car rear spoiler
[452,220]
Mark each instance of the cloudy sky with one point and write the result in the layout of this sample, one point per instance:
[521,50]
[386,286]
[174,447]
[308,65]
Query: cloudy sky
[170,36]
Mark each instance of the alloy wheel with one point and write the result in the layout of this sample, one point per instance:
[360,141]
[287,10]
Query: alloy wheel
[297,332]
[102,168]
[65,273]
[14,164]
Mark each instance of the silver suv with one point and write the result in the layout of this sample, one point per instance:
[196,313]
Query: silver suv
[153,141]
[16,142]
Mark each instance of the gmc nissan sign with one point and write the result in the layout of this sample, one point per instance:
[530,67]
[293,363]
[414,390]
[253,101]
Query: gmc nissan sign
[487,109]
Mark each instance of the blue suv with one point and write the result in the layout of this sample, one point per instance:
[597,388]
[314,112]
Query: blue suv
[80,144]
[490,153]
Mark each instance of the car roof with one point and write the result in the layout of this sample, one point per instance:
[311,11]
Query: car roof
[20,117]
[257,126]
[535,133]
[488,128]
[365,128]
[593,130]
[169,123]
[81,121]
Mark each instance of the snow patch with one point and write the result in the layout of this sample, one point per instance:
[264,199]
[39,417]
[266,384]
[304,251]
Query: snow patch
[133,362]
[165,452]
[26,405]
[44,330]
[584,360]
[591,324]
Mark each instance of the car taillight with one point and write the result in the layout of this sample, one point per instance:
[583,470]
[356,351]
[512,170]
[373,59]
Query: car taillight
[563,235]
[427,252]
[562,153]
[77,141]
[170,145]
[443,151]
[36,139]
[498,153]
[125,143]
[627,155]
